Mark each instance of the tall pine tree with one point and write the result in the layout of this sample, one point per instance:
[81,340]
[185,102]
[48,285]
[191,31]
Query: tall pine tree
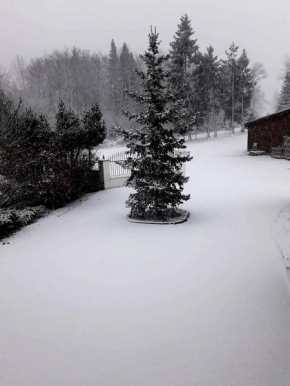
[155,170]
[128,75]
[114,87]
[229,74]
[182,54]
[183,58]
[207,81]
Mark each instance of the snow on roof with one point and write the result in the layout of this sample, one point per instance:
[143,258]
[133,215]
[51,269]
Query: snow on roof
[282,112]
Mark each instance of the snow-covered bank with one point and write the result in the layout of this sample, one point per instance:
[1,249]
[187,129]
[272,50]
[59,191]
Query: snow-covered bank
[281,233]
[89,299]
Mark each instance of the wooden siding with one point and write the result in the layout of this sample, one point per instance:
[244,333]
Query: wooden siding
[269,131]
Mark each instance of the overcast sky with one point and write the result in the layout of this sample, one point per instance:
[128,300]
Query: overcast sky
[32,27]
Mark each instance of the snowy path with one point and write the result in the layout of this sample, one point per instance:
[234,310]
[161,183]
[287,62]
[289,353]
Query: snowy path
[88,299]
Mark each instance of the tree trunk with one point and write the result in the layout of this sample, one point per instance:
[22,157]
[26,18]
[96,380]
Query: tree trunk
[243,118]
[90,158]
[77,155]
[189,134]
[214,120]
[208,123]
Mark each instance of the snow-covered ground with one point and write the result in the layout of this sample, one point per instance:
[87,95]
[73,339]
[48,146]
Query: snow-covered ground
[281,232]
[89,299]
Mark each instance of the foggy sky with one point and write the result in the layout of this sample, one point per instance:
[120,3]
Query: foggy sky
[32,27]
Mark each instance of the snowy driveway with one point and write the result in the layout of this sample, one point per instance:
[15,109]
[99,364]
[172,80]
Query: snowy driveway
[88,299]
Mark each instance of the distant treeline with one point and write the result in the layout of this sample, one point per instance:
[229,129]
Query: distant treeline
[214,91]
[78,78]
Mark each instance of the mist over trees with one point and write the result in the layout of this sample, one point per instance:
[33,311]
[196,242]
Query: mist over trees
[284,96]
[4,79]
[79,79]
[258,100]
[216,92]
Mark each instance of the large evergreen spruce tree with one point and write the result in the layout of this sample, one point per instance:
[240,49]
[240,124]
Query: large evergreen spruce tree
[156,176]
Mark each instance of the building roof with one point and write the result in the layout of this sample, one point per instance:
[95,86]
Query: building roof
[268,117]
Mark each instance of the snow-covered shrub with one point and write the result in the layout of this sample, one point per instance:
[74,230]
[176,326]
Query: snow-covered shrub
[12,219]
[7,221]
[42,165]
[27,215]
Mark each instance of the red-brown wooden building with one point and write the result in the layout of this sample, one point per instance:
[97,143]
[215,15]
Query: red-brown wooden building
[268,131]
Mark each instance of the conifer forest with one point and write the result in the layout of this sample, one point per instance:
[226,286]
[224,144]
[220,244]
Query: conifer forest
[216,91]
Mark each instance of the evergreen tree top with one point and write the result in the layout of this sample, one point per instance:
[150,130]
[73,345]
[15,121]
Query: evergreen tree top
[244,59]
[184,56]
[113,45]
[183,44]
[125,49]
[232,52]
[113,55]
